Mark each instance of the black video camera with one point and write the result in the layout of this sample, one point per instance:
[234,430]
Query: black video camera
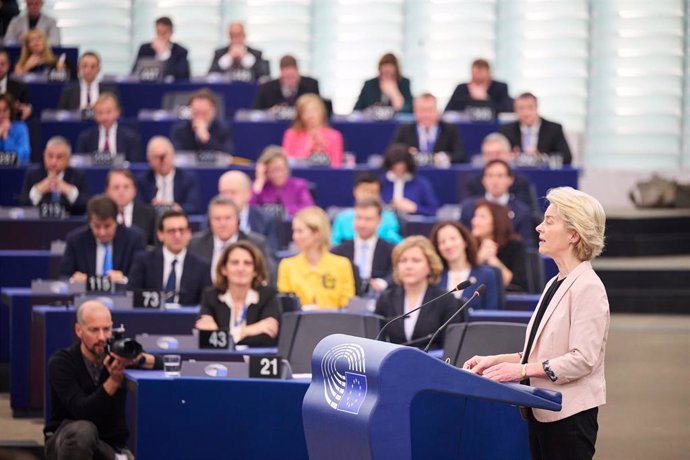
[122,346]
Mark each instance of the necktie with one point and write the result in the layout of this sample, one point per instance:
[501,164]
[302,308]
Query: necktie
[171,284]
[106,144]
[527,140]
[107,259]
[121,218]
[363,265]
[88,95]
[429,142]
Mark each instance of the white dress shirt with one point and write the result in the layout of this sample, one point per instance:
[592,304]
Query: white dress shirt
[35,196]
[503,200]
[235,326]
[398,184]
[112,139]
[92,89]
[365,265]
[244,220]
[530,135]
[127,213]
[179,267]
[165,186]
[3,85]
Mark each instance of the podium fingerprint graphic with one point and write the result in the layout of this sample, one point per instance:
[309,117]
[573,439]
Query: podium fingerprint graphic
[345,382]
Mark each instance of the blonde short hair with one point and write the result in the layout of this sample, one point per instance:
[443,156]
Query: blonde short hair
[423,243]
[316,220]
[272,152]
[583,214]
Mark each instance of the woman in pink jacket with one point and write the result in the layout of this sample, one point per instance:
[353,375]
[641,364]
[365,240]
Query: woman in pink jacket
[565,341]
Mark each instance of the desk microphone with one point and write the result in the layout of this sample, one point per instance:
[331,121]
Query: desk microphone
[459,287]
[480,290]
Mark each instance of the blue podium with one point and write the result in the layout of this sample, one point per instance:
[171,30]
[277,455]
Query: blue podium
[376,400]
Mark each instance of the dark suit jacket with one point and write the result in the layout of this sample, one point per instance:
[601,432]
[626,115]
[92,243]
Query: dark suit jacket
[521,215]
[448,140]
[18,89]
[72,176]
[494,295]
[381,264]
[392,302]
[270,95]
[264,224]
[202,246]
[183,137]
[185,190]
[499,99]
[261,67]
[371,94]
[127,142]
[177,65]
[268,307]
[147,273]
[146,218]
[522,189]
[551,139]
[70,96]
[80,251]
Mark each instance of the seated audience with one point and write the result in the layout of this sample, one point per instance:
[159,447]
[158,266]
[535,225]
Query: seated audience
[429,135]
[34,19]
[109,136]
[224,229]
[240,301]
[204,131]
[162,48]
[497,177]
[101,247]
[164,185]
[56,181]
[367,186]
[18,89]
[532,134]
[458,250]
[82,95]
[370,255]
[120,186]
[238,60]
[499,246]
[405,191]
[14,135]
[416,272]
[36,57]
[88,393]
[481,90]
[389,89]
[275,189]
[171,268]
[317,277]
[237,186]
[310,138]
[285,91]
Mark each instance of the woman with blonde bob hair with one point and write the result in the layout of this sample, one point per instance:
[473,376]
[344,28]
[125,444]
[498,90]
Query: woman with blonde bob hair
[310,138]
[240,301]
[565,341]
[320,279]
[416,271]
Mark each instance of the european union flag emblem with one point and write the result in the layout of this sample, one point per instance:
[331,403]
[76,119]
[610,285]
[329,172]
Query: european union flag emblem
[355,392]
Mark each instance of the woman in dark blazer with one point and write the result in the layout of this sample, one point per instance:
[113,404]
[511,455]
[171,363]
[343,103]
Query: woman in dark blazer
[458,250]
[416,270]
[389,89]
[239,301]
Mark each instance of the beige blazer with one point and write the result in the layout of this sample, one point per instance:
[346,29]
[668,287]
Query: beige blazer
[572,337]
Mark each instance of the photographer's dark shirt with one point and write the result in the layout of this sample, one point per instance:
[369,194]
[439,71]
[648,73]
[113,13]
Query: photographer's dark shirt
[94,370]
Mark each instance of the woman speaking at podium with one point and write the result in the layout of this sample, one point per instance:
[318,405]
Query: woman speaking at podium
[566,337]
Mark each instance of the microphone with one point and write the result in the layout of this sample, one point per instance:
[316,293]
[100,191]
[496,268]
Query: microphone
[480,290]
[459,287]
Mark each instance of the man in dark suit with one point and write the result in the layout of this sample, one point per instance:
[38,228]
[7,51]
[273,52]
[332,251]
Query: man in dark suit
[108,136]
[204,131]
[121,187]
[224,229]
[181,274]
[497,177]
[285,90]
[56,181]
[102,247]
[532,134]
[430,135]
[19,90]
[482,91]
[82,95]
[237,186]
[370,255]
[239,60]
[164,185]
[163,49]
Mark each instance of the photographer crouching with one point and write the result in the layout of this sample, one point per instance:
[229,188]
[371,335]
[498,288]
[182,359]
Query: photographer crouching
[87,419]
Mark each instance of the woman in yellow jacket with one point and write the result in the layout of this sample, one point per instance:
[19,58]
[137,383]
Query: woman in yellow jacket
[320,279]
